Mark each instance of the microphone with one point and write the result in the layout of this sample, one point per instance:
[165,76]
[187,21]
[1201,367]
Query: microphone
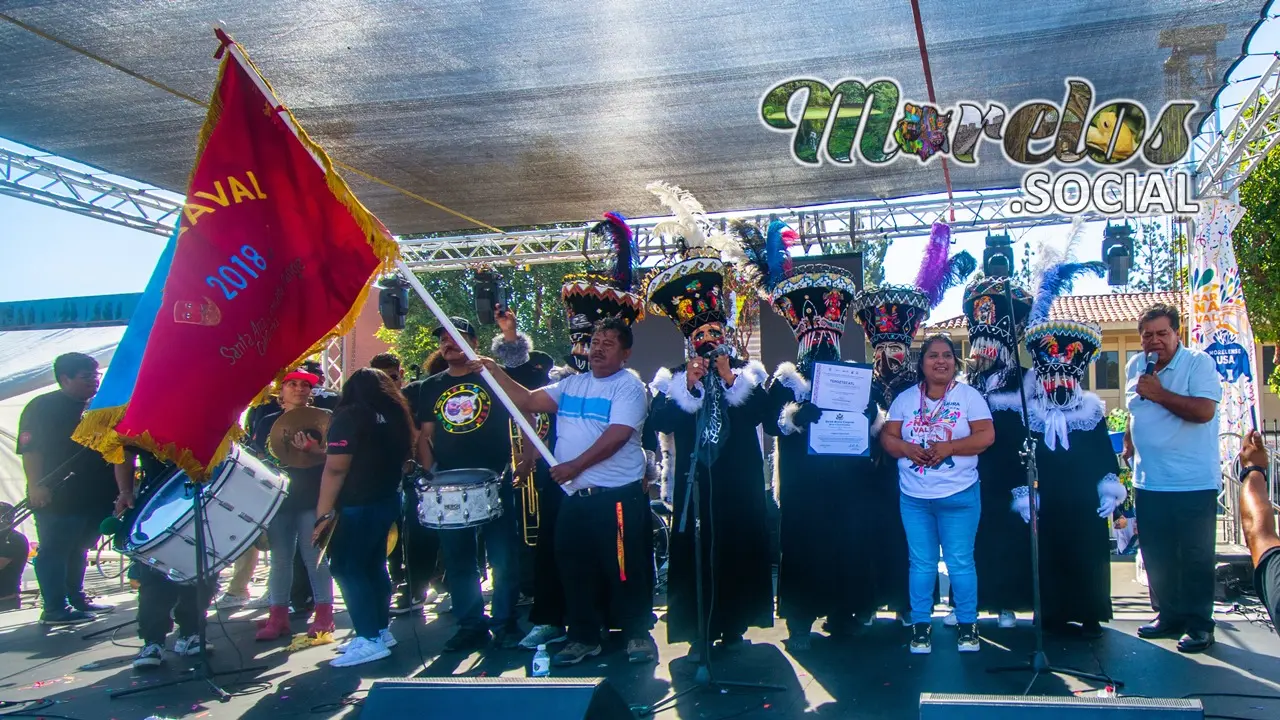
[1151,363]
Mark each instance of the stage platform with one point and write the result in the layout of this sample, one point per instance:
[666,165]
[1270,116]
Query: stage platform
[869,676]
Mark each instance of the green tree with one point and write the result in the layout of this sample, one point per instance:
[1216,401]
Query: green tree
[533,292]
[1155,260]
[873,252]
[1257,244]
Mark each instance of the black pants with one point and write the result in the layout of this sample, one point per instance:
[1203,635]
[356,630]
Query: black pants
[14,548]
[599,581]
[423,552]
[548,589]
[162,602]
[1178,545]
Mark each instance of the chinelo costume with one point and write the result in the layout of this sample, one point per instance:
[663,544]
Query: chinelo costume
[1078,484]
[718,422]
[1002,552]
[829,541]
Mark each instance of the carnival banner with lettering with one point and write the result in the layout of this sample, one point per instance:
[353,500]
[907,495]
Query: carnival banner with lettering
[1219,323]
[274,255]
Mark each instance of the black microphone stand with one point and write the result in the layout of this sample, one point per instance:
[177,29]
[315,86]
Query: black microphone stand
[703,677]
[1038,664]
[201,671]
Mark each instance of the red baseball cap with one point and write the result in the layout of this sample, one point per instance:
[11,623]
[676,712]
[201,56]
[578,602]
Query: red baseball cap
[303,375]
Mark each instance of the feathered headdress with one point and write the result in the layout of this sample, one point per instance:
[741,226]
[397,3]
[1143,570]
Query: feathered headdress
[1055,281]
[698,234]
[938,272]
[766,256]
[621,242]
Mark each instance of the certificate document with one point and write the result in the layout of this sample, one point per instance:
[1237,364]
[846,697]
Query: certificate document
[839,432]
[841,386]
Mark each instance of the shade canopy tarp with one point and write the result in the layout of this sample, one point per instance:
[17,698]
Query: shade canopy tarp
[522,112]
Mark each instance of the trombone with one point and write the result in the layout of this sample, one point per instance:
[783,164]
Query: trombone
[531,515]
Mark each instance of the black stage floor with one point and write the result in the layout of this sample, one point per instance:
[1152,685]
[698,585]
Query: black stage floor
[869,676]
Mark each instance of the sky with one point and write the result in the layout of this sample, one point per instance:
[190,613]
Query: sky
[54,253]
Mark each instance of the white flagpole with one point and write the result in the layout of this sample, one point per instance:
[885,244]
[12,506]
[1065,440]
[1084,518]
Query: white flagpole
[516,414]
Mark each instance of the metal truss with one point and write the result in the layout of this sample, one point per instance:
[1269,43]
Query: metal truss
[1234,151]
[41,181]
[826,228]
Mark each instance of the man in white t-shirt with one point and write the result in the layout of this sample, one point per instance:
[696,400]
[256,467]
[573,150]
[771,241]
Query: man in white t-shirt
[601,532]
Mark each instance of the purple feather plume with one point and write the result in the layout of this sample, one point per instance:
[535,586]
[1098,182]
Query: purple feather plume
[934,268]
[621,240]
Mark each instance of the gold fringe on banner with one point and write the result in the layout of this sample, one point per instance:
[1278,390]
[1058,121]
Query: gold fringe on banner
[97,428]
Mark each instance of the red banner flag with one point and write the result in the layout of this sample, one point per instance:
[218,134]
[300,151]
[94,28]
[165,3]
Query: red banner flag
[274,257]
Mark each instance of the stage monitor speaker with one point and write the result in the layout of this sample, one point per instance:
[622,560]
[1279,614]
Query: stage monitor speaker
[495,698]
[936,706]
[490,294]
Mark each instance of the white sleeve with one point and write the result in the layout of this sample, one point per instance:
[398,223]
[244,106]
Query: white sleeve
[976,406]
[630,406]
[553,391]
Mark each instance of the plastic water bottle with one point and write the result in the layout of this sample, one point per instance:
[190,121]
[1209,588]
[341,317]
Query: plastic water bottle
[541,662]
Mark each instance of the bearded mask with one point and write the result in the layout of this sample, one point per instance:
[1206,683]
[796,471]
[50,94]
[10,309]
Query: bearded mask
[706,338]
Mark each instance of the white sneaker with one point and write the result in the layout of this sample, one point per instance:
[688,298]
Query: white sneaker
[151,656]
[189,646]
[950,620]
[388,640]
[543,635]
[229,601]
[258,603]
[1008,619]
[361,651]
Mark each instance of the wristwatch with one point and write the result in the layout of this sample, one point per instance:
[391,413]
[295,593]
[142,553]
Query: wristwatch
[1244,472]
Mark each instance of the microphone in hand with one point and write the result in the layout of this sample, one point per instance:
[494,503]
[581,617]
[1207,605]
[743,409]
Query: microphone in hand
[1151,363]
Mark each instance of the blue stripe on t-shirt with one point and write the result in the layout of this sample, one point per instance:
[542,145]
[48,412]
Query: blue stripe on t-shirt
[592,408]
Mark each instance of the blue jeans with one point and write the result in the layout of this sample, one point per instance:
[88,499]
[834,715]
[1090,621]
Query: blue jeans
[951,522]
[461,574]
[65,540]
[358,562]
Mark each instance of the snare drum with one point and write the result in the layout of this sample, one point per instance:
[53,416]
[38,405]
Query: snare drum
[455,499]
[239,502]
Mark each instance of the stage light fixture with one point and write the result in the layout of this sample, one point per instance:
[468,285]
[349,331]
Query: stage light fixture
[490,294]
[1117,252]
[393,302]
[997,257]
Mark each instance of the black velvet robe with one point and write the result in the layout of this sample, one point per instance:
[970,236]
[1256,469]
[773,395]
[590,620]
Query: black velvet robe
[830,544]
[894,560]
[1002,552]
[1075,544]
[738,577]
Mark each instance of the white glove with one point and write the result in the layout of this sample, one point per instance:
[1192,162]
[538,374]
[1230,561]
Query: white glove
[1022,502]
[1111,495]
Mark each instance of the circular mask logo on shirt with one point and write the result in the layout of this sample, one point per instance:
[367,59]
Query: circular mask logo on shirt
[463,408]
[24,439]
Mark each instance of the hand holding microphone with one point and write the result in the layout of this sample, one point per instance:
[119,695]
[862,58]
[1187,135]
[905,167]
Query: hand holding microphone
[1149,385]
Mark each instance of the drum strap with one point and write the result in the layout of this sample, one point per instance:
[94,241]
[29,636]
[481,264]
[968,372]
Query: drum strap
[622,554]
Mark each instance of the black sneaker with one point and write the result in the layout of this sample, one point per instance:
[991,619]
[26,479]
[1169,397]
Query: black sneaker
[921,639]
[151,657]
[406,604]
[70,616]
[968,640]
[508,638]
[468,639]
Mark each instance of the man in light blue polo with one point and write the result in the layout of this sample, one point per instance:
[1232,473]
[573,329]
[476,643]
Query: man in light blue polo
[1173,442]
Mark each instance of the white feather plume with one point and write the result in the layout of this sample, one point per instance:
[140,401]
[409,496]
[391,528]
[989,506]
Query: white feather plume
[1051,253]
[691,221]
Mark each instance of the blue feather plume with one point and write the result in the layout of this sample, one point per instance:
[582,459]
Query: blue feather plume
[775,244]
[1057,281]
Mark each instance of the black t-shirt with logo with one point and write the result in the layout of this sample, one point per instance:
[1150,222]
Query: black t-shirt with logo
[471,424]
[1266,582]
[45,428]
[377,461]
